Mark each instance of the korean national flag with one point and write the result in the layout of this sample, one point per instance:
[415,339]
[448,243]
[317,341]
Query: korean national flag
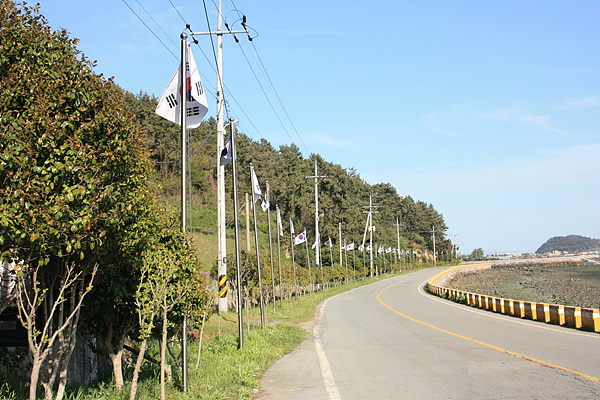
[169,106]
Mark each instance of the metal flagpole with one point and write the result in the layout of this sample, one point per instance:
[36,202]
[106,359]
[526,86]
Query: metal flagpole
[434,253]
[398,233]
[293,260]
[271,248]
[346,256]
[353,264]
[279,253]
[184,345]
[260,294]
[238,258]
[308,260]
[330,253]
[340,229]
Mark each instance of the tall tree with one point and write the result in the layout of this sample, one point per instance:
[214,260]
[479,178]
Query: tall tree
[73,173]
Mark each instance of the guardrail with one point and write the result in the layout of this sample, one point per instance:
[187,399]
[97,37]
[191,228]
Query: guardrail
[576,317]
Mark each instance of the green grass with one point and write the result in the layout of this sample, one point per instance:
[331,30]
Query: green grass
[224,372]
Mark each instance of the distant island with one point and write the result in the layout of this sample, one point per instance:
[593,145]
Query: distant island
[569,244]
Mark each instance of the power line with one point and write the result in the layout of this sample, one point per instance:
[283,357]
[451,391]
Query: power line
[157,24]
[267,97]
[278,98]
[194,152]
[181,16]
[155,35]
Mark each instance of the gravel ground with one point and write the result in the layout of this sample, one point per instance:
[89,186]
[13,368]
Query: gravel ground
[569,283]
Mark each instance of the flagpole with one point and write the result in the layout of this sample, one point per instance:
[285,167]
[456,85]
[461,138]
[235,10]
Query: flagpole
[398,233]
[262,310]
[434,253]
[238,257]
[279,253]
[293,260]
[346,255]
[364,257]
[184,371]
[308,260]
[353,264]
[340,231]
[271,248]
[330,253]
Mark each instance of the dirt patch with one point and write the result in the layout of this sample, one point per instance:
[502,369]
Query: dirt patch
[567,283]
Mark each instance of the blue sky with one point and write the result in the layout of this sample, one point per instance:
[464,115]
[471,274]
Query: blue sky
[489,110]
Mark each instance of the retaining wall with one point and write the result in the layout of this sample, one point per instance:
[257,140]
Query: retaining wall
[576,317]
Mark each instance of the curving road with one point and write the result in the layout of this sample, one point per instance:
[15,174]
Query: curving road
[390,340]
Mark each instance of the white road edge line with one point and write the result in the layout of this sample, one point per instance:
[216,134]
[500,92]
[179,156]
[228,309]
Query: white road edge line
[328,380]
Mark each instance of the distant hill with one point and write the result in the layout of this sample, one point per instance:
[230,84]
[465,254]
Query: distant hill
[570,244]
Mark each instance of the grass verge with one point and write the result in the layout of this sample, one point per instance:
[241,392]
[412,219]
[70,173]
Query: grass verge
[224,371]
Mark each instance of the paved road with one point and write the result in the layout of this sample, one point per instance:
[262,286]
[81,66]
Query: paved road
[390,340]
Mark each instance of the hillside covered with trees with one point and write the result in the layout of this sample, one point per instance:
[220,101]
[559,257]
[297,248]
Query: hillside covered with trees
[570,244]
[342,194]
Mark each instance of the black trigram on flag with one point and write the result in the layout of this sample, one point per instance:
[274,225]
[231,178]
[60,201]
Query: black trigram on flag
[171,100]
[193,111]
[199,88]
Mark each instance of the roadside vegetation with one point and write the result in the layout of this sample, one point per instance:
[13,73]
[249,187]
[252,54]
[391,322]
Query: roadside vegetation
[223,371]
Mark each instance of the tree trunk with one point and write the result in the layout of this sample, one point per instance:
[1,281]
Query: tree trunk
[136,371]
[200,342]
[33,380]
[115,354]
[163,355]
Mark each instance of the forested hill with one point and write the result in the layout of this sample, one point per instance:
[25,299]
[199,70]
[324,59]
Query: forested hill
[570,244]
[342,194]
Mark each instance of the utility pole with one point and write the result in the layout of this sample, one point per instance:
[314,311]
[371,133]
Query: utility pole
[370,211]
[317,237]
[221,215]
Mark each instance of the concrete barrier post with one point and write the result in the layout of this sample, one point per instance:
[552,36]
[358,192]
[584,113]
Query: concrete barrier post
[521,309]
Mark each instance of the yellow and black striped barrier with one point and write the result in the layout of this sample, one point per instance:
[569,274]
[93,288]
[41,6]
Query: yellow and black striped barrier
[577,317]
[222,286]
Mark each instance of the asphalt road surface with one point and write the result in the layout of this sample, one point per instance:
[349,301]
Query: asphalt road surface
[391,340]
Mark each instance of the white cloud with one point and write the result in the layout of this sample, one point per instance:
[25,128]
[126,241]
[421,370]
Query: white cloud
[579,102]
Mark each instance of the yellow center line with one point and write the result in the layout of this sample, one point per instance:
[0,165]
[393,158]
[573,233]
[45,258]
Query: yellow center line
[535,360]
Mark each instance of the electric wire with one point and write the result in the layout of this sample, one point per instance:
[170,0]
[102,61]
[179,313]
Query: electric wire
[157,24]
[181,16]
[278,98]
[194,152]
[146,25]
[266,96]
[270,82]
